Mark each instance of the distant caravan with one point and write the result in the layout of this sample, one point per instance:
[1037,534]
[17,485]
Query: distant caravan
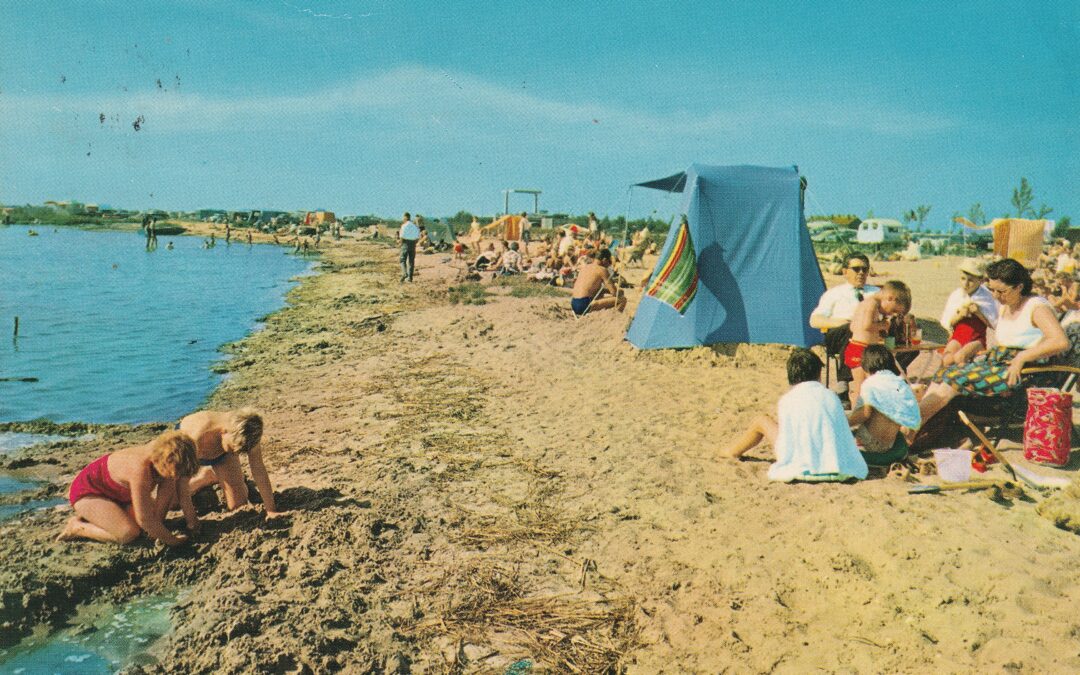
[880,231]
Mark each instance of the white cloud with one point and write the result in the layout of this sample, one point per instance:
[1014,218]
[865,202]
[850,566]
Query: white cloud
[419,97]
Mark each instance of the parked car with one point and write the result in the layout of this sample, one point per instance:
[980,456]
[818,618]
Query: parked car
[833,236]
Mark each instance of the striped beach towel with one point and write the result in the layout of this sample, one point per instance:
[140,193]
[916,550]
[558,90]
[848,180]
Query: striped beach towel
[676,282]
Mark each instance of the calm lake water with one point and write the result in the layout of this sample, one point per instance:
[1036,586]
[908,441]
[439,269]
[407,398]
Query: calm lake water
[114,333]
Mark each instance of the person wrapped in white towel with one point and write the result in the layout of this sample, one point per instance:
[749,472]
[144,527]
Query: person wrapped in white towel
[810,435]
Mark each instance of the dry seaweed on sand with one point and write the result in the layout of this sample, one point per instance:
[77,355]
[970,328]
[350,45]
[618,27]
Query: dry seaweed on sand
[1063,509]
[566,633]
[434,389]
[533,518]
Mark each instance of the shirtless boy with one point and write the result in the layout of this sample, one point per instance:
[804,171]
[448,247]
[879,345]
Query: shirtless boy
[591,281]
[870,324]
[219,439]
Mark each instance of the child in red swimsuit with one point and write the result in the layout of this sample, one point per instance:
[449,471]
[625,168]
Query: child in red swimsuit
[126,492]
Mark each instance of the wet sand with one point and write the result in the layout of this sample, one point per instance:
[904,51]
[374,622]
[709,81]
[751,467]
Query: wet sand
[470,485]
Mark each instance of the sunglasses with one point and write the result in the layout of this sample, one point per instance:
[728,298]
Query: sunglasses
[858,269]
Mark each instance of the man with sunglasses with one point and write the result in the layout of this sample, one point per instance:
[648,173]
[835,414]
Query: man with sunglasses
[837,306]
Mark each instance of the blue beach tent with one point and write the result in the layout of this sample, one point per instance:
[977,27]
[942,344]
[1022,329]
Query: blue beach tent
[740,268]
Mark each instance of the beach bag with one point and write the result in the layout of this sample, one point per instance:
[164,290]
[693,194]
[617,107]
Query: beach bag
[1048,426]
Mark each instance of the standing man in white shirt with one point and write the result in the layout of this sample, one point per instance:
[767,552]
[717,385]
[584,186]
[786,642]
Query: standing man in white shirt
[833,314]
[407,237]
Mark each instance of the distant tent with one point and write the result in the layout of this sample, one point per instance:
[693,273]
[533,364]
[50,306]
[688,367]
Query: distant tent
[319,217]
[740,268]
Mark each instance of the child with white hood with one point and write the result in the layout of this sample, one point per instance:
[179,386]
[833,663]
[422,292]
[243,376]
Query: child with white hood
[886,404]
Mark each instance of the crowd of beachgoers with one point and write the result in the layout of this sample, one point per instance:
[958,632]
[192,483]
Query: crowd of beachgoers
[1001,319]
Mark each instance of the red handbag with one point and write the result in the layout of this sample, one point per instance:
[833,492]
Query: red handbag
[1048,426]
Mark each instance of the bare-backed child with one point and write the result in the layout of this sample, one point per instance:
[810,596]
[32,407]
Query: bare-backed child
[886,404]
[120,495]
[870,324]
[220,438]
[969,311]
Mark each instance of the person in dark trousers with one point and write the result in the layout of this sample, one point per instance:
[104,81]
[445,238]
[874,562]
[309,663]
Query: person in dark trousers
[833,314]
[407,237]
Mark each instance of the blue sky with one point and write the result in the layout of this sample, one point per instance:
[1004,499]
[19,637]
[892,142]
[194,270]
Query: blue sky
[375,106]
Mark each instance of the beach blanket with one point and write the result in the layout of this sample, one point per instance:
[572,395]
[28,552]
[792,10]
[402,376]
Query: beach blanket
[888,393]
[814,443]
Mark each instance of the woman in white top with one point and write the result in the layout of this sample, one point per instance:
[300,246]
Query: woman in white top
[1026,331]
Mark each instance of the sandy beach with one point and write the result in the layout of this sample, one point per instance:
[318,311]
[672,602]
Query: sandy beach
[468,486]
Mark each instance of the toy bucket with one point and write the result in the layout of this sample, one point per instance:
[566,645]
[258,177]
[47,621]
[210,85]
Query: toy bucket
[1048,426]
[953,465]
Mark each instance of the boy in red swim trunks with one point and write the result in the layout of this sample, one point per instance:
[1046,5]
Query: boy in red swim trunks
[114,497]
[870,324]
[969,311]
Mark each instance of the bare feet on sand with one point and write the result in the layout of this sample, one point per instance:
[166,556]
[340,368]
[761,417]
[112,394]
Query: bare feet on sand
[71,529]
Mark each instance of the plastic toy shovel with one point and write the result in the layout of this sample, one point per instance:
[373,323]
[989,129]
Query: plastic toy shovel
[988,443]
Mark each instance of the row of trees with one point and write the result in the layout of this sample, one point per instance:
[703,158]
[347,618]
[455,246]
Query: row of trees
[1023,199]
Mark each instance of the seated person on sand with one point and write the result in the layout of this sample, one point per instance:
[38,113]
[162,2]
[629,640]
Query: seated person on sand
[873,320]
[510,261]
[592,281]
[486,259]
[886,403]
[219,438]
[969,311]
[565,242]
[810,435]
[114,497]
[1064,296]
[540,271]
[423,244]
[1027,332]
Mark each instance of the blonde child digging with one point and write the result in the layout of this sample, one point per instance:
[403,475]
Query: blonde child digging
[220,437]
[124,493]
